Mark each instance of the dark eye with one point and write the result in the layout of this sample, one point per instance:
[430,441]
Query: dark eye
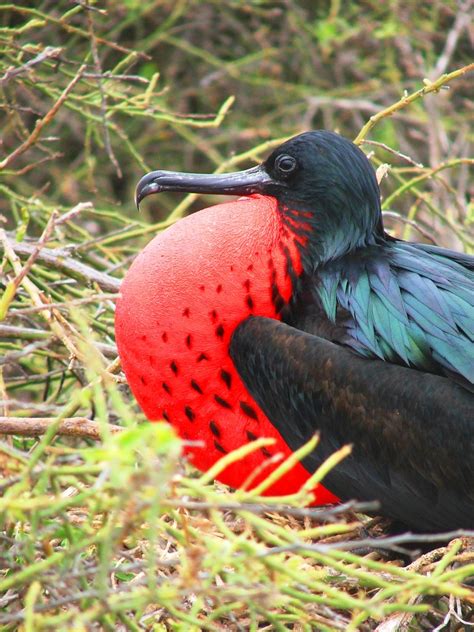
[285,164]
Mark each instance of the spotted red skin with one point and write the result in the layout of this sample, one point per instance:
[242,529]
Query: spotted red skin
[181,300]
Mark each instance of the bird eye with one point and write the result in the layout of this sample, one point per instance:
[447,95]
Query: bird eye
[285,164]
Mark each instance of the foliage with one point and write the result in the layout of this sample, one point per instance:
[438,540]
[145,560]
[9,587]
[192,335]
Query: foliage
[121,534]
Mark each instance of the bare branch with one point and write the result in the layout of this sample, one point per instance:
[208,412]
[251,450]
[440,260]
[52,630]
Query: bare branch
[103,97]
[410,98]
[59,260]
[462,21]
[50,52]
[69,427]
[41,123]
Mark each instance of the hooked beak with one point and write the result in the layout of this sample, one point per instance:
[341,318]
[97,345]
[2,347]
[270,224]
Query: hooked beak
[254,180]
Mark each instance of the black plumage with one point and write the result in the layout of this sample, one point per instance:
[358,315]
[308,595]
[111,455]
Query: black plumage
[412,432]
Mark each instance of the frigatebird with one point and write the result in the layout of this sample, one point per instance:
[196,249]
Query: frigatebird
[291,311]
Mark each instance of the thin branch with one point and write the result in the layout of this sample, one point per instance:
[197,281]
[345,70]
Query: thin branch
[50,52]
[59,260]
[69,427]
[38,246]
[410,98]
[388,543]
[315,513]
[13,356]
[103,97]
[429,173]
[410,222]
[58,328]
[462,21]
[30,333]
[64,306]
[393,151]
[42,123]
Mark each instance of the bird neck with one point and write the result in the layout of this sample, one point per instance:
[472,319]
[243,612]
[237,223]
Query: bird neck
[328,230]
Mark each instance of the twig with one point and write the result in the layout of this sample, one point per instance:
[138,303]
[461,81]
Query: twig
[110,76]
[69,427]
[50,52]
[41,123]
[72,213]
[392,151]
[14,356]
[410,222]
[59,260]
[429,173]
[56,327]
[410,98]
[462,21]
[103,97]
[34,165]
[316,513]
[15,284]
[389,543]
[69,28]
[35,408]
[94,298]
[24,333]
[29,333]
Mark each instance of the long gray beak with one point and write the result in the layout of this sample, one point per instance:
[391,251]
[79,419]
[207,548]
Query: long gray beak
[254,180]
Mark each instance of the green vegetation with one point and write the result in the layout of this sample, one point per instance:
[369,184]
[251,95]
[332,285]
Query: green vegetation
[107,528]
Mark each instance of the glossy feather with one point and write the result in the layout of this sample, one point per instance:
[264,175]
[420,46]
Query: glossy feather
[398,302]
[408,429]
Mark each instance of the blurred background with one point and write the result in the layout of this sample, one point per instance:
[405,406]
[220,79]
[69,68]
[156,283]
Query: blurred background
[191,85]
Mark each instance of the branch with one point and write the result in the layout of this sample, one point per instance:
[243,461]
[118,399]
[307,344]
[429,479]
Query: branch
[59,260]
[410,98]
[48,53]
[30,333]
[103,97]
[41,123]
[69,427]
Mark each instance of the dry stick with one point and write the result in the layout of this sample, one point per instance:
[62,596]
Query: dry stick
[12,357]
[73,212]
[37,299]
[68,427]
[34,165]
[50,52]
[410,222]
[59,260]
[393,151]
[41,123]
[69,28]
[37,249]
[410,98]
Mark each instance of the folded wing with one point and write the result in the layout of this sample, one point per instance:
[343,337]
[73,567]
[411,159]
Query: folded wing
[412,432]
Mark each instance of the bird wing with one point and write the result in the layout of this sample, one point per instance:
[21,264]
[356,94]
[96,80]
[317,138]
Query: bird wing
[412,432]
[409,304]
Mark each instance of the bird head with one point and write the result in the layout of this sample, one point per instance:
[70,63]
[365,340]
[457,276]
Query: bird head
[325,186]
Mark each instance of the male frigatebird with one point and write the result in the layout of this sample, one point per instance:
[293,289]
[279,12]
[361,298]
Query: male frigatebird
[291,311]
